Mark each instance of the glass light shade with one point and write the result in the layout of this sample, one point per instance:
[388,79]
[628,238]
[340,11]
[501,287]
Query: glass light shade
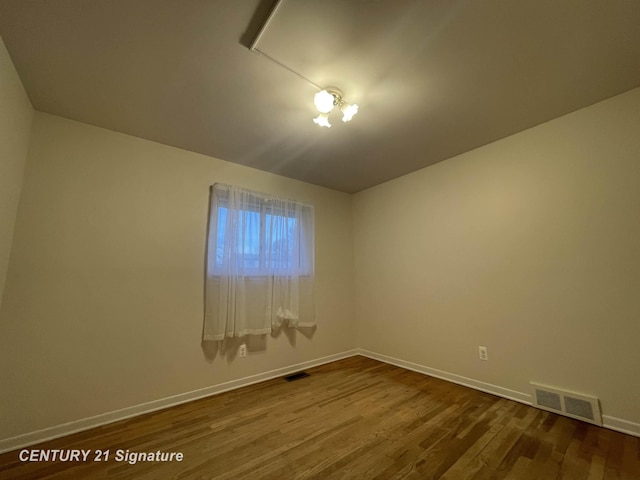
[322,120]
[348,111]
[323,101]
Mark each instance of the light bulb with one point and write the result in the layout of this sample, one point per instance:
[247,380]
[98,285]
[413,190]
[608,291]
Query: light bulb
[324,101]
[322,120]
[348,111]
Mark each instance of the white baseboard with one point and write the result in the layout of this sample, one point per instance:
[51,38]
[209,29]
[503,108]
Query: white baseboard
[612,423]
[31,438]
[620,425]
[451,377]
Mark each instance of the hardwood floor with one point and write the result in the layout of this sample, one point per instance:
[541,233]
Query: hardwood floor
[356,418]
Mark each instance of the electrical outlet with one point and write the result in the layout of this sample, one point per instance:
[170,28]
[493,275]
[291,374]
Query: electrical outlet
[242,351]
[482,351]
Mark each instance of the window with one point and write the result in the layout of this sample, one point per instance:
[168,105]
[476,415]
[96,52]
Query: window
[260,259]
[261,235]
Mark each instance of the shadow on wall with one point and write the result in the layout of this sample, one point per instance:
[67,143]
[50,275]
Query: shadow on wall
[229,348]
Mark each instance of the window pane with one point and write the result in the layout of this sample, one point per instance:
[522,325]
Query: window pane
[248,248]
[281,236]
[243,229]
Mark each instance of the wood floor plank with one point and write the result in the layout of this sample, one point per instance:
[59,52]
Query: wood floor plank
[352,419]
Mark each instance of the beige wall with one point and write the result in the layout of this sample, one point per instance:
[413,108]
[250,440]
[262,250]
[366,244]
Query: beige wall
[104,299]
[529,246]
[15,125]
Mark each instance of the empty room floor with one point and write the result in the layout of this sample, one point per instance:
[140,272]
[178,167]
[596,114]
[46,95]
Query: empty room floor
[355,418]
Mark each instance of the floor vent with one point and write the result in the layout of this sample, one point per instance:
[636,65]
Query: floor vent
[571,404]
[296,376]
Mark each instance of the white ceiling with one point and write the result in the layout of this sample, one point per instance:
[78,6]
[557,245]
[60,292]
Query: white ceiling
[433,78]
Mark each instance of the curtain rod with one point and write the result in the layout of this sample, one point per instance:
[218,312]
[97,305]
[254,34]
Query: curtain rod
[264,196]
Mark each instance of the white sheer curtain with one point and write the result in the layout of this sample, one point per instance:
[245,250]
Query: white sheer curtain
[260,261]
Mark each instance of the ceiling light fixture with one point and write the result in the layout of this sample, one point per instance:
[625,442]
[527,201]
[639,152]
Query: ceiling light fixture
[322,120]
[326,99]
[348,111]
